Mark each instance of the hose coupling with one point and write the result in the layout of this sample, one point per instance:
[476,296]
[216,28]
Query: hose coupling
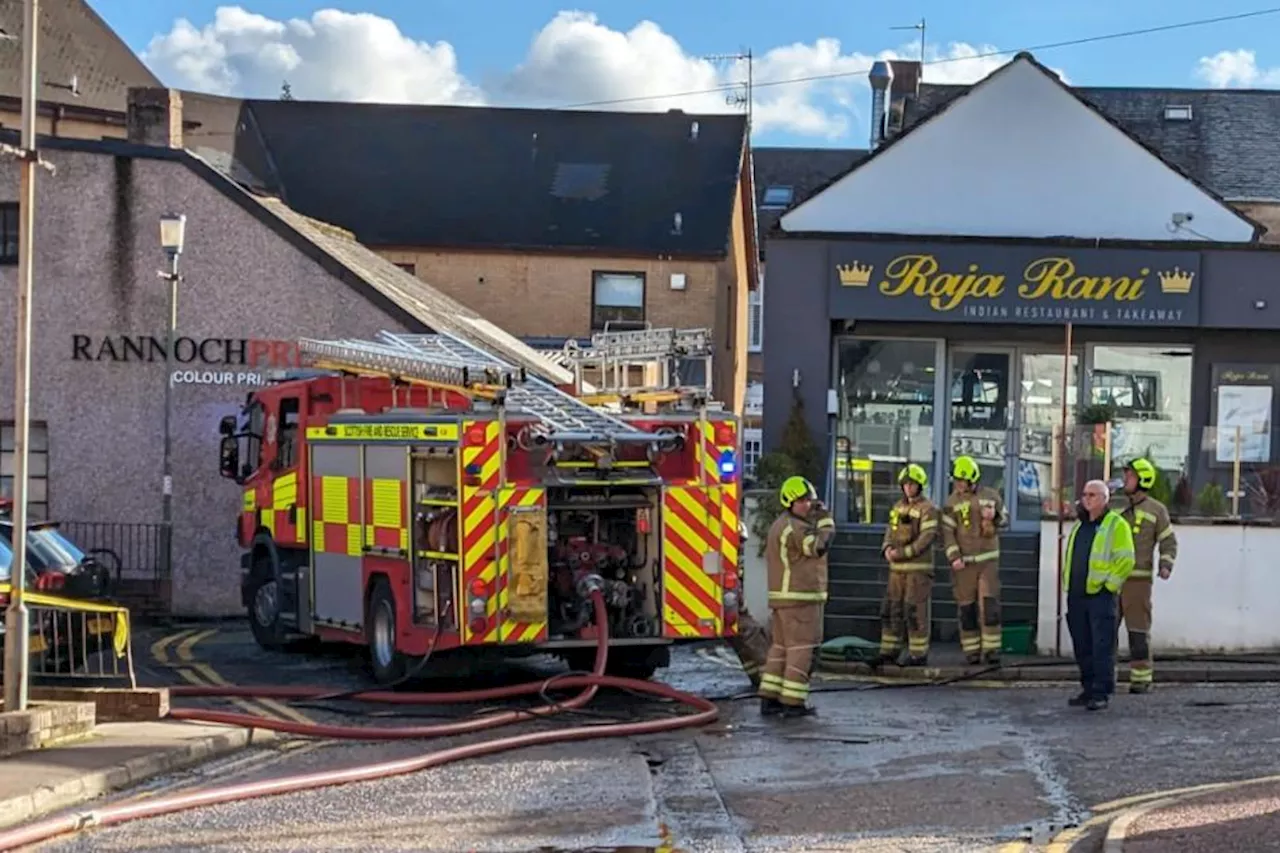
[589,584]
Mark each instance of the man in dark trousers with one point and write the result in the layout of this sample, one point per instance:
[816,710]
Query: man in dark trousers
[1099,557]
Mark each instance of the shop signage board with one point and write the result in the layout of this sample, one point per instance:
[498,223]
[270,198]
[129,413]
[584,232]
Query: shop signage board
[1031,285]
[205,361]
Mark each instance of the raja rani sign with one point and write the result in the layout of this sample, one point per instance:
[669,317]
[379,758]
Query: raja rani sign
[1016,284]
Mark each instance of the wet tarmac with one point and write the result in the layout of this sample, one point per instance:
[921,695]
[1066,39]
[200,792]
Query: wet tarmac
[921,769]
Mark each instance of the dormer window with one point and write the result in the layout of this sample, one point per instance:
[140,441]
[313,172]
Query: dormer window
[1177,112]
[777,197]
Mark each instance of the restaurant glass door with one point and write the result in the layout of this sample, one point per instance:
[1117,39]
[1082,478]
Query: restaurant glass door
[982,412]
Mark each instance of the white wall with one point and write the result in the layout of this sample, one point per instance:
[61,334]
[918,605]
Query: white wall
[1224,595]
[1018,156]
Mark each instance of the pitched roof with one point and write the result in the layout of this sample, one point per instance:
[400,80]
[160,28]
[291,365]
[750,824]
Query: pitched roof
[950,94]
[805,170]
[73,40]
[405,297]
[480,177]
[1228,144]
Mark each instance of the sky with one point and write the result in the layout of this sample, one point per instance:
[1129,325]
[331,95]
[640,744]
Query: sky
[663,54]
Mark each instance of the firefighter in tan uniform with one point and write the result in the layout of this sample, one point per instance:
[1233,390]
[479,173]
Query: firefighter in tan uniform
[1149,520]
[971,522]
[796,557]
[908,547]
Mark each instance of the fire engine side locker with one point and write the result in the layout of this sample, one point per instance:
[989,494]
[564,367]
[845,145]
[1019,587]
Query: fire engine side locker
[361,480]
[700,540]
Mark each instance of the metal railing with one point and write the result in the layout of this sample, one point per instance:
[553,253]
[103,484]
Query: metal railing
[77,642]
[129,551]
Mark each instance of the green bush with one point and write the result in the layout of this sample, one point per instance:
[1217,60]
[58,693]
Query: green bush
[1212,501]
[797,454]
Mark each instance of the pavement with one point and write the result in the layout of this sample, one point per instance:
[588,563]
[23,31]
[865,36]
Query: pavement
[928,769]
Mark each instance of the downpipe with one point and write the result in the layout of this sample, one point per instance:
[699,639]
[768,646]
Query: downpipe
[704,710]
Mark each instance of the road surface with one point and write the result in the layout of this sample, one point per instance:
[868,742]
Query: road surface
[914,769]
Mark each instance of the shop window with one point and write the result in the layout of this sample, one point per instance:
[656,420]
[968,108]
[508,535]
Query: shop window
[1149,389]
[752,446]
[37,468]
[886,394]
[617,301]
[755,317]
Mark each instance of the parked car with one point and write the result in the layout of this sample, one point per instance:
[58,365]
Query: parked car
[56,566]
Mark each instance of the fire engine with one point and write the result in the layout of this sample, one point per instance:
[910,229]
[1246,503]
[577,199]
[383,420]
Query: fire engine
[416,494]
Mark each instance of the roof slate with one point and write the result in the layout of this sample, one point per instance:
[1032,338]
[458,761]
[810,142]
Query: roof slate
[478,177]
[73,40]
[805,170]
[1228,145]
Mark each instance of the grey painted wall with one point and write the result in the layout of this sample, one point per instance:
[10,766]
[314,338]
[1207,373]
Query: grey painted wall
[798,331]
[96,261]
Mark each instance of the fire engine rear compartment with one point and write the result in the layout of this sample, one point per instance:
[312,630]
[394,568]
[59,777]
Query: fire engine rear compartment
[613,534]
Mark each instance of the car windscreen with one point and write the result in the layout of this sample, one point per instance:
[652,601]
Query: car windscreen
[6,560]
[42,554]
[51,539]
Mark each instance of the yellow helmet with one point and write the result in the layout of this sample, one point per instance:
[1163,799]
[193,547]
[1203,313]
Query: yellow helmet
[915,474]
[795,489]
[1145,471]
[964,468]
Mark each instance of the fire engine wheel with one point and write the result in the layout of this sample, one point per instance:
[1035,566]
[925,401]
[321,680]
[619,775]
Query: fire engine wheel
[380,633]
[264,609]
[638,662]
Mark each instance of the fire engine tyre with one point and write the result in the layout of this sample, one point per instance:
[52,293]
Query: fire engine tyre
[380,634]
[264,606]
[638,662]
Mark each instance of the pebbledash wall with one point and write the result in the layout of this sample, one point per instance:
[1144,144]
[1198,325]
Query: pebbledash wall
[98,377]
[1212,304]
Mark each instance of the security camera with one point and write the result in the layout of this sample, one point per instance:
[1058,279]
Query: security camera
[1183,218]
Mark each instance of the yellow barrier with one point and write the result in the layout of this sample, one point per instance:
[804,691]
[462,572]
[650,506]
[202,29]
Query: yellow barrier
[50,613]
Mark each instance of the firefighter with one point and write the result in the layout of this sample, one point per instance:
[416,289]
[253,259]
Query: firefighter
[1149,520]
[796,558]
[971,522]
[908,547]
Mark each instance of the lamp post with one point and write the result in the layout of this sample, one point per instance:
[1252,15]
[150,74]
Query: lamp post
[173,228]
[16,618]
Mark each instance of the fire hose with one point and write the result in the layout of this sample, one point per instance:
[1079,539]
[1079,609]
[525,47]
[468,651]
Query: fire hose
[705,712]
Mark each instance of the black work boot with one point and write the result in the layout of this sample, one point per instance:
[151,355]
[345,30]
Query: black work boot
[1140,687]
[991,658]
[1098,703]
[790,712]
[917,660]
[1080,700]
[882,660]
[973,658]
[770,707]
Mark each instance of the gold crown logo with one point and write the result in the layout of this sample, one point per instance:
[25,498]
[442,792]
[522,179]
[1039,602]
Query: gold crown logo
[1176,281]
[854,274]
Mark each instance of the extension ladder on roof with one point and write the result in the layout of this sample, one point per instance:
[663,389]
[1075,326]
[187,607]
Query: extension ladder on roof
[451,361]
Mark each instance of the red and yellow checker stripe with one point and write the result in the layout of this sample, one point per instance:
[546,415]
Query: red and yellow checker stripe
[510,630]
[269,503]
[336,510]
[385,525]
[481,461]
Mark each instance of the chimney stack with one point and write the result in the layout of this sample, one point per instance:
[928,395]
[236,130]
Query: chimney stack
[155,117]
[881,78]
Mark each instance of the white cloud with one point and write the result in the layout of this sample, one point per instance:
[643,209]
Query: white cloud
[573,60]
[1231,68]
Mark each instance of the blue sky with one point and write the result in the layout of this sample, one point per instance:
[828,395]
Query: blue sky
[491,55]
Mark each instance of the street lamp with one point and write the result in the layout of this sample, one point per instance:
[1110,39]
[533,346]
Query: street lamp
[173,227]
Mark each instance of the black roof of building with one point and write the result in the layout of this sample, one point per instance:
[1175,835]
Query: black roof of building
[73,41]
[804,170]
[486,178]
[1228,145]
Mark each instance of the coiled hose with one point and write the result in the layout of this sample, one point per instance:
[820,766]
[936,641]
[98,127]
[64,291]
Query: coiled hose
[705,712]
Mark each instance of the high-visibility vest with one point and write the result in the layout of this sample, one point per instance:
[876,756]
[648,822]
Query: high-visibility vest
[1111,558]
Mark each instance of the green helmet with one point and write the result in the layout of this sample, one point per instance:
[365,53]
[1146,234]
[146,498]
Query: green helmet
[1145,471]
[964,468]
[915,474]
[795,489]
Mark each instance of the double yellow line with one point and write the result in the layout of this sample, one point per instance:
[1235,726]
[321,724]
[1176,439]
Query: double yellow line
[203,675]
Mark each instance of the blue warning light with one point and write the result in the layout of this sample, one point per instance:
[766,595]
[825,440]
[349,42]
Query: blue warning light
[728,465]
